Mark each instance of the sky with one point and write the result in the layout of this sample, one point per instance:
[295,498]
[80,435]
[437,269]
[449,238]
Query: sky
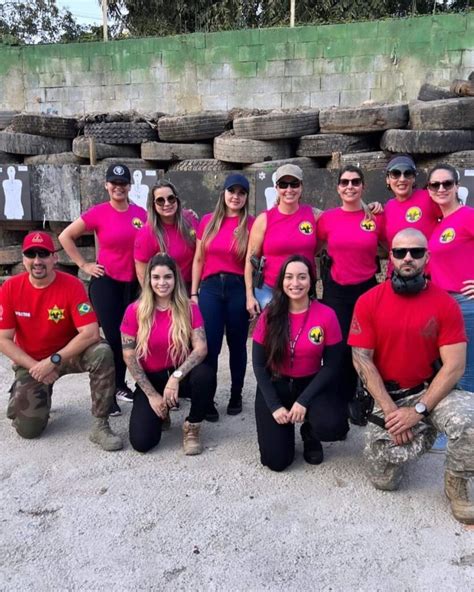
[86,12]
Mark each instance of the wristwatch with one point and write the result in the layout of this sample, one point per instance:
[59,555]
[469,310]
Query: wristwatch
[56,359]
[178,374]
[422,409]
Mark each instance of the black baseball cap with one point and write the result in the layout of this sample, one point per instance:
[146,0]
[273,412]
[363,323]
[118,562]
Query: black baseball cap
[118,173]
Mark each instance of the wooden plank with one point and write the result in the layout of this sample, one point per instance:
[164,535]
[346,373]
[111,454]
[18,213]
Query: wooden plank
[55,192]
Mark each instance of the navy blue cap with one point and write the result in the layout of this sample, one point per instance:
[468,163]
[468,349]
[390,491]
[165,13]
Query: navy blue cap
[237,179]
[406,161]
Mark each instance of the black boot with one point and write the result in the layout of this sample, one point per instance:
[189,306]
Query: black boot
[312,448]
[212,414]
[235,403]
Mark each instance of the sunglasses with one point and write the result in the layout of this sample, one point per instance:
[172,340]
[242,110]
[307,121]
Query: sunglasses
[436,185]
[357,182]
[161,201]
[286,184]
[33,253]
[397,173]
[415,252]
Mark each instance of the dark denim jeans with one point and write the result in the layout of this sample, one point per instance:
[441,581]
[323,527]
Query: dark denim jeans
[223,306]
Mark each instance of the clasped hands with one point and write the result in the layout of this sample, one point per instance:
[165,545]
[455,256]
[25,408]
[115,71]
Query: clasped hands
[399,422]
[295,415]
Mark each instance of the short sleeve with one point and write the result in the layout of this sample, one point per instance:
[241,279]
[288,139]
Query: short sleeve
[7,315]
[81,307]
[361,332]
[145,245]
[191,218]
[381,234]
[202,226]
[196,317]
[90,218]
[260,329]
[452,328]
[321,229]
[129,324]
[333,329]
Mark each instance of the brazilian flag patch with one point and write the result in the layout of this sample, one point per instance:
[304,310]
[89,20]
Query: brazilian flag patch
[84,308]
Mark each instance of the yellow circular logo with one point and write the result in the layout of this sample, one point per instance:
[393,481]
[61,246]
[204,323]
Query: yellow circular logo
[137,222]
[413,214]
[368,225]
[447,235]
[306,227]
[316,335]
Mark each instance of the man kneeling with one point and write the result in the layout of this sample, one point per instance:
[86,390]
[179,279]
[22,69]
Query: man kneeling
[48,329]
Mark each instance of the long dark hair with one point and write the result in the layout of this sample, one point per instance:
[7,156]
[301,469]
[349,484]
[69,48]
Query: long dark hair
[277,325]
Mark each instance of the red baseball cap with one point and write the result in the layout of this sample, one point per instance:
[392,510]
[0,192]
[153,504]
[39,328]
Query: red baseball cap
[38,240]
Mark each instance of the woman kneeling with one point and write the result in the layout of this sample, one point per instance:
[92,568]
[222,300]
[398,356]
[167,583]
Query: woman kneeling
[164,343]
[297,353]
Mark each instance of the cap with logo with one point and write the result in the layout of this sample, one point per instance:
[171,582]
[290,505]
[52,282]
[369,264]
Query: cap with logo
[288,170]
[237,179]
[38,240]
[118,173]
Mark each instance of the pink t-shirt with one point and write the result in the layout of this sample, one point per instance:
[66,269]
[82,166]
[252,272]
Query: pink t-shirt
[221,255]
[116,232]
[159,341]
[285,235]
[452,250]
[146,245]
[317,328]
[351,243]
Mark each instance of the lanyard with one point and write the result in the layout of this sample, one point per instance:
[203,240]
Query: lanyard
[294,341]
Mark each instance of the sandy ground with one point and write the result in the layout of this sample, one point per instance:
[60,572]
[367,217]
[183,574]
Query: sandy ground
[74,517]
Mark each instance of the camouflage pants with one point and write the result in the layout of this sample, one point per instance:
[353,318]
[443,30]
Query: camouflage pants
[454,416]
[30,401]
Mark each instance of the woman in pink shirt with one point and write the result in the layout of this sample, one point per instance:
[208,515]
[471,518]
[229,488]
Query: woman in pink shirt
[218,276]
[352,235]
[451,248]
[113,281]
[289,227]
[164,343]
[169,229]
[297,350]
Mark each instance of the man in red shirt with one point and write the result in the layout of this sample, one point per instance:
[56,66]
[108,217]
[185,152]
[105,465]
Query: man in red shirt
[48,329]
[399,330]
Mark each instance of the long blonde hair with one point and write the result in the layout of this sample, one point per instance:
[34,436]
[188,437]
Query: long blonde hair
[180,328]
[241,236]
[155,222]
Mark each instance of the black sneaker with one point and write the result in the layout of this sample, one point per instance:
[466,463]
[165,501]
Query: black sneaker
[124,393]
[114,410]
[235,405]
[212,414]
[313,452]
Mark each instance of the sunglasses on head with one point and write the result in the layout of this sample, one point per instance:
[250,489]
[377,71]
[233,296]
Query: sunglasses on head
[286,184]
[357,182]
[33,253]
[397,173]
[415,252]
[170,199]
[436,185]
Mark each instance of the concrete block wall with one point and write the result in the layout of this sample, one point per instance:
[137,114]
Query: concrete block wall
[317,66]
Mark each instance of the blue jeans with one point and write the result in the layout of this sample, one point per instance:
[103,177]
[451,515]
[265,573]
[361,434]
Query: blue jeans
[223,306]
[263,295]
[467,309]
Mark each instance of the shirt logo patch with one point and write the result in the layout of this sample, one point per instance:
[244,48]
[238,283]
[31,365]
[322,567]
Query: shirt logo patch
[430,330]
[305,227]
[447,235]
[84,308]
[55,314]
[368,225]
[355,326]
[413,214]
[137,222]
[192,232]
[316,335]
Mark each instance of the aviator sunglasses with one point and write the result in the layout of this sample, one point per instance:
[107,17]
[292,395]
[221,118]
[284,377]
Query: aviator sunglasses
[357,182]
[286,184]
[33,253]
[397,173]
[436,185]
[415,252]
[160,201]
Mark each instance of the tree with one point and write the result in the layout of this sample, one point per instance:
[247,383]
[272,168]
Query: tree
[39,21]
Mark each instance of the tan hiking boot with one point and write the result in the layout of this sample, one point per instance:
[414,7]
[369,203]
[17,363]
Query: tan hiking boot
[102,435]
[191,442]
[456,490]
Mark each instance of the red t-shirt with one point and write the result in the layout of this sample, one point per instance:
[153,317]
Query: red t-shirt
[116,232]
[44,319]
[285,235]
[352,244]
[220,255]
[177,247]
[406,331]
[159,341]
[452,250]
[317,328]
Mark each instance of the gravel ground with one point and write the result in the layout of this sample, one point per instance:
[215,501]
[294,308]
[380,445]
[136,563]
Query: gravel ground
[76,518]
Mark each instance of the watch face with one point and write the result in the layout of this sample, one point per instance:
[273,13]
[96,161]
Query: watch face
[420,408]
[56,358]
[177,374]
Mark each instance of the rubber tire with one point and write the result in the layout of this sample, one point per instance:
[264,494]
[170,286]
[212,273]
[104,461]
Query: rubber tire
[448,114]
[136,163]
[319,145]
[369,118]
[231,149]
[6,118]
[7,158]
[55,159]
[45,125]
[303,162]
[430,92]
[365,160]
[197,126]
[17,143]
[120,132]
[463,160]
[80,147]
[168,152]
[201,164]
[278,125]
[427,141]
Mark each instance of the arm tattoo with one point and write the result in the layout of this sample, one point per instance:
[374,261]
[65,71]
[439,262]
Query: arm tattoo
[198,340]
[128,342]
[129,345]
[363,363]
